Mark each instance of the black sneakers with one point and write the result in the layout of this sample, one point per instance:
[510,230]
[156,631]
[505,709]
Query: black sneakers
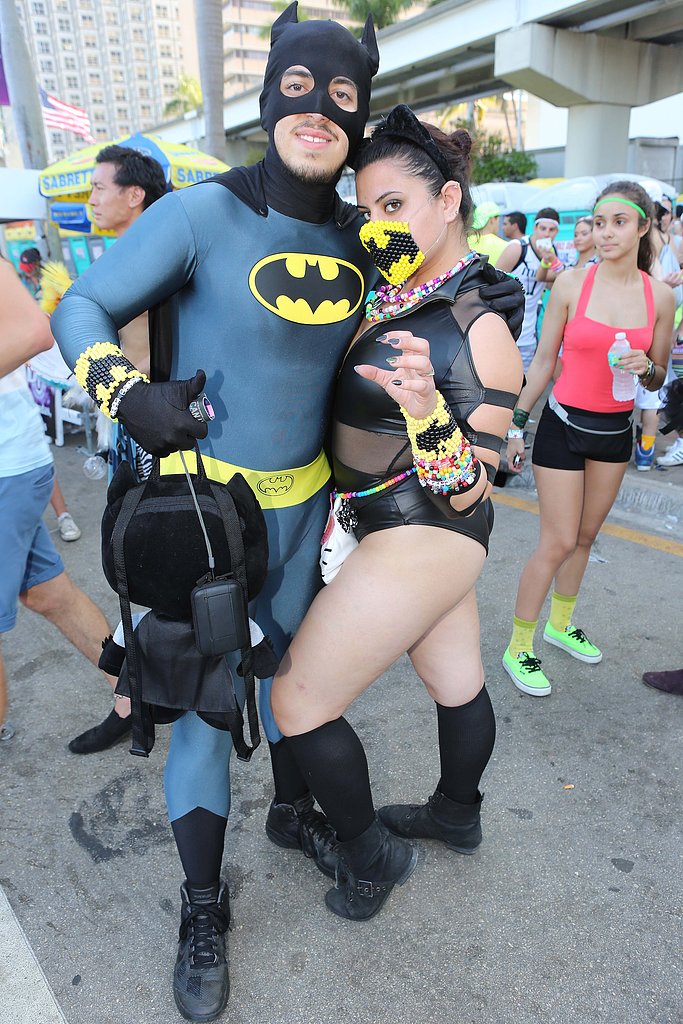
[201,984]
[298,826]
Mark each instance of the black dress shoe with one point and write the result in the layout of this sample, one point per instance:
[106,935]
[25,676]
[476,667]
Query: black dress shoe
[298,826]
[101,736]
[201,983]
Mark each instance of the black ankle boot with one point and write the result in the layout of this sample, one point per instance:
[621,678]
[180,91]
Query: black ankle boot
[101,736]
[298,826]
[201,984]
[370,866]
[456,825]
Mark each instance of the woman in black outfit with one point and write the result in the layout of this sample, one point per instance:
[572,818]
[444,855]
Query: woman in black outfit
[432,413]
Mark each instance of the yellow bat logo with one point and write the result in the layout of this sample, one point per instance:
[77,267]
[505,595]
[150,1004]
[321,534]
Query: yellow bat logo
[307,289]
[277,484]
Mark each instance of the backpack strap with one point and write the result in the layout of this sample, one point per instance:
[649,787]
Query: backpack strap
[524,247]
[141,719]
[233,532]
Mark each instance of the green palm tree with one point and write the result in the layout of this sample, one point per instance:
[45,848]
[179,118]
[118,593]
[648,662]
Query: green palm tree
[188,96]
[384,12]
[278,7]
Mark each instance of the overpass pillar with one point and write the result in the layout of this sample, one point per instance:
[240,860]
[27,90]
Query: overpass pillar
[597,139]
[599,78]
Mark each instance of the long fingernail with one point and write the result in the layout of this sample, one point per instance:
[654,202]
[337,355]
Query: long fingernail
[392,360]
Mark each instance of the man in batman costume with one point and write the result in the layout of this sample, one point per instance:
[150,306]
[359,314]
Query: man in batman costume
[264,277]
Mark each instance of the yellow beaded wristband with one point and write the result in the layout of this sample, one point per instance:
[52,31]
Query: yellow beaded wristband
[102,369]
[436,436]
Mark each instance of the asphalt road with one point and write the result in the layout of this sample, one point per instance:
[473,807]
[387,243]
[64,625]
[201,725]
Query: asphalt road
[570,912]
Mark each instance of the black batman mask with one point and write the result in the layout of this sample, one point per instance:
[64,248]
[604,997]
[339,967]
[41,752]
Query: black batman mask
[327,50]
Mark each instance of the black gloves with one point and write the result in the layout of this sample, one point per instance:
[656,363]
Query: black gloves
[504,295]
[158,418]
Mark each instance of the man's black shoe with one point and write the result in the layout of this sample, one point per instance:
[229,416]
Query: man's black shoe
[298,826]
[201,983]
[101,736]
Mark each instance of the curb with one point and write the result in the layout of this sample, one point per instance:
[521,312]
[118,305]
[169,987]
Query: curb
[26,994]
[660,498]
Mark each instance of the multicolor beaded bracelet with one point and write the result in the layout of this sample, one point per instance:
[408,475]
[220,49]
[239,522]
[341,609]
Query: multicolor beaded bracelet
[346,516]
[102,369]
[442,455]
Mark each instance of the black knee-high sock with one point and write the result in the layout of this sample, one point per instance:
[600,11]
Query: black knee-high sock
[334,765]
[466,738]
[289,782]
[200,836]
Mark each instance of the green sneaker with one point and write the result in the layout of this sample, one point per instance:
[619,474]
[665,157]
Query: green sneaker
[525,673]
[573,641]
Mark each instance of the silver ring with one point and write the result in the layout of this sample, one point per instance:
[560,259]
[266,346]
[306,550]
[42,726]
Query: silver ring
[430,374]
[202,409]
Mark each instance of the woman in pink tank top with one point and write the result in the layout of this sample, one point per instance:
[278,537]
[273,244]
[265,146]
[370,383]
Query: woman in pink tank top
[585,436]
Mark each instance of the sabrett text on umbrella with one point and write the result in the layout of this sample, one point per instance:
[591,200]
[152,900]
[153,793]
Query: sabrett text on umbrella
[70,179]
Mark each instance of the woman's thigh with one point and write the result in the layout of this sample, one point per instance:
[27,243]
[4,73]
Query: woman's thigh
[388,594]
[448,657]
[602,483]
[560,500]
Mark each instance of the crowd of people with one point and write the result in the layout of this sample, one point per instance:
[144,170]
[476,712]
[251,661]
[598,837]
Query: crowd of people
[413,385]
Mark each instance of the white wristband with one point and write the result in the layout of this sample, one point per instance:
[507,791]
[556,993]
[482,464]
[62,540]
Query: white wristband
[114,404]
[515,434]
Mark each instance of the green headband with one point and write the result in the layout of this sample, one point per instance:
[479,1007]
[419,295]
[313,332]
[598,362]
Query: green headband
[618,199]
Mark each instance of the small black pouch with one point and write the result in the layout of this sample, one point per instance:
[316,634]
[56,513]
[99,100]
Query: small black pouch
[219,617]
[605,437]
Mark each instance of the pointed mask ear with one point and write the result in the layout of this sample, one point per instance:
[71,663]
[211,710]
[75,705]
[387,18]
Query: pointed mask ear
[369,41]
[288,17]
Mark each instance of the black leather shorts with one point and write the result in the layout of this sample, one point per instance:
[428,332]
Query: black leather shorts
[406,504]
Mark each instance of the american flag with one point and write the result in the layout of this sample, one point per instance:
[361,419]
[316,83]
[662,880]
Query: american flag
[64,117]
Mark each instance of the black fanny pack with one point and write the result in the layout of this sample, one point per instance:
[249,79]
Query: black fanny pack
[156,540]
[591,435]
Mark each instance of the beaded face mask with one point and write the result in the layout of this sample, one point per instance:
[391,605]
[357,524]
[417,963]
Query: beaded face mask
[394,251]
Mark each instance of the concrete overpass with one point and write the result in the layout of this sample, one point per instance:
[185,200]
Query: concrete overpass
[599,58]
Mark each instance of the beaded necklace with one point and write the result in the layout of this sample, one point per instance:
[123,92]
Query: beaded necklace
[345,514]
[393,301]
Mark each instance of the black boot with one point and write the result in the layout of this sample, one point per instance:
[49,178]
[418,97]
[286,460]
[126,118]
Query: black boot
[370,866]
[101,736]
[298,826]
[456,825]
[201,984]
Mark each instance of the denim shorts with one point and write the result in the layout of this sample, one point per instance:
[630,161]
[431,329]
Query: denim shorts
[29,557]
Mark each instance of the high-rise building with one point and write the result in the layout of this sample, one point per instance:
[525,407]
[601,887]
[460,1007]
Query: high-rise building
[246,38]
[120,60]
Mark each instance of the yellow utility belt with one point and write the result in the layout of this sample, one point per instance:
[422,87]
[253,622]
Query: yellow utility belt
[278,489]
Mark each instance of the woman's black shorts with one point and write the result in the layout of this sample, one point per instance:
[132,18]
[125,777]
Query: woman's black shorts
[407,504]
[558,445]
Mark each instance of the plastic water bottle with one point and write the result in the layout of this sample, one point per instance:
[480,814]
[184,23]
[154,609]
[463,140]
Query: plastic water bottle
[95,467]
[623,382]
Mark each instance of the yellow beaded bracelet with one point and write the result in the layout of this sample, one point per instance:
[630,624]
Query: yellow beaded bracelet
[436,436]
[102,369]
